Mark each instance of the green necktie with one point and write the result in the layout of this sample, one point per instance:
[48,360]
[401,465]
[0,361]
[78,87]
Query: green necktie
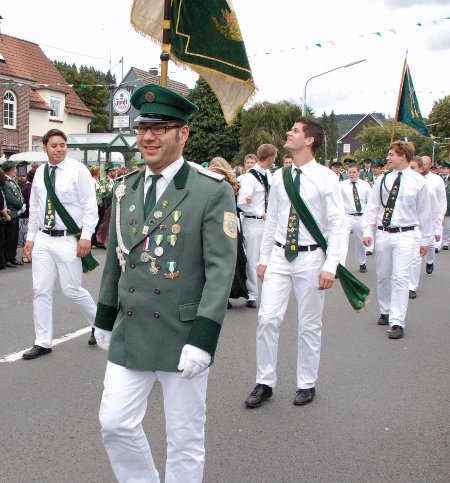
[389,208]
[49,218]
[291,248]
[356,197]
[150,197]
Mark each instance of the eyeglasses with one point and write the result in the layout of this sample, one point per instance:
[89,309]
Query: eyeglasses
[155,129]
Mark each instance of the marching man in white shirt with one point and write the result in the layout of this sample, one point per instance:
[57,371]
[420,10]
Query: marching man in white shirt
[252,201]
[291,258]
[51,245]
[398,204]
[355,193]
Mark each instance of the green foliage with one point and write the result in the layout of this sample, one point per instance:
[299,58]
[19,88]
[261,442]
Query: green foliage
[376,140]
[266,123]
[209,134]
[440,117]
[332,135]
[96,98]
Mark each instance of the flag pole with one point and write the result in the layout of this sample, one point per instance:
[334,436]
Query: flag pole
[164,57]
[394,125]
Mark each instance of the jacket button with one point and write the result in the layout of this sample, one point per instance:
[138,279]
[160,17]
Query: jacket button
[157,291]
[131,289]
[129,312]
[156,315]
[133,265]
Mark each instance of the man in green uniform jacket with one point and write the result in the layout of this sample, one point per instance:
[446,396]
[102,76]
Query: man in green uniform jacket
[164,292]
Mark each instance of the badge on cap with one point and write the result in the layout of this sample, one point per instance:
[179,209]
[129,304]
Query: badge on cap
[149,97]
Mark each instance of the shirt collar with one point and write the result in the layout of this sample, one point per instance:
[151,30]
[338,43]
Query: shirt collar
[168,172]
[308,167]
[258,168]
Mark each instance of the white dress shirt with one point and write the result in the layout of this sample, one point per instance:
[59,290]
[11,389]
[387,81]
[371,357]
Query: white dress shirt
[363,188]
[75,189]
[167,175]
[437,184]
[319,189]
[412,206]
[250,186]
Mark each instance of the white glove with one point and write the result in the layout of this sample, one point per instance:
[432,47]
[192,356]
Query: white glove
[193,360]
[22,210]
[103,338]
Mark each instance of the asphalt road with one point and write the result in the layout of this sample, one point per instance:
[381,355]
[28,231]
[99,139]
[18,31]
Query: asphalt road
[381,412]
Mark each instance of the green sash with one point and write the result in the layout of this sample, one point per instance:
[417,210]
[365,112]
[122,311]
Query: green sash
[355,291]
[88,262]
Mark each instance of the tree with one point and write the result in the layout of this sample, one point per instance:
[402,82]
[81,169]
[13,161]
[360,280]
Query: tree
[266,122]
[376,140]
[91,86]
[439,121]
[209,134]
[331,136]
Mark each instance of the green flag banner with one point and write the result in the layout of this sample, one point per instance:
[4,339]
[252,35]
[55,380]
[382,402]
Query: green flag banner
[204,36]
[409,111]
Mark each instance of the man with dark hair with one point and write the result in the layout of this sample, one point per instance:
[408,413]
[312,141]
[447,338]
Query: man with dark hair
[398,204]
[169,267]
[355,193]
[255,186]
[16,206]
[291,258]
[336,167]
[366,173]
[50,243]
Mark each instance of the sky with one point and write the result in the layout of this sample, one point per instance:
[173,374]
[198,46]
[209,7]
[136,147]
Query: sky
[281,41]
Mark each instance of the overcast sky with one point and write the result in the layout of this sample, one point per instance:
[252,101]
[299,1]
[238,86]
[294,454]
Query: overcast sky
[280,38]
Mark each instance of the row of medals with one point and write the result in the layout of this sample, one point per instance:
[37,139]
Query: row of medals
[159,250]
[50,216]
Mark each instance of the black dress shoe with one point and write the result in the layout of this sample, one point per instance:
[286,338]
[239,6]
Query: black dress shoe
[229,306]
[412,294]
[258,396]
[429,267]
[35,352]
[445,247]
[436,250]
[368,253]
[304,396]
[92,340]
[16,262]
[384,319]
[251,304]
[10,265]
[396,332]
[363,268]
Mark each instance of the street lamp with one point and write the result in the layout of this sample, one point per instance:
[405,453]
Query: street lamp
[323,73]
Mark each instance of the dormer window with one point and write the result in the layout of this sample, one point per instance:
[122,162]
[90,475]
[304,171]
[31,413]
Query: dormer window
[9,110]
[55,104]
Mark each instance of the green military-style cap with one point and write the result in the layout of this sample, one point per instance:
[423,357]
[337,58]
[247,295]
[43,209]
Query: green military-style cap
[445,164]
[110,167]
[379,164]
[141,162]
[336,163]
[157,103]
[7,165]
[349,160]
[367,160]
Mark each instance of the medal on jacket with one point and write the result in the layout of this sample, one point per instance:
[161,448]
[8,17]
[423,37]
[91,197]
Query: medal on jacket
[171,266]
[158,250]
[176,215]
[172,239]
[145,255]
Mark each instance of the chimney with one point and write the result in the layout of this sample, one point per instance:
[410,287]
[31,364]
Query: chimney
[153,70]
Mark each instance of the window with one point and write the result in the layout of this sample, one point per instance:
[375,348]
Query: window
[346,149]
[9,110]
[55,104]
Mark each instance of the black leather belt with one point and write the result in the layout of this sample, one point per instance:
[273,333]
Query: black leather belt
[301,248]
[355,214]
[396,229]
[255,217]
[56,232]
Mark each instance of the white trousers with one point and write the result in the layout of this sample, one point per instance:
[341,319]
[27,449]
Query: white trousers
[446,231]
[416,262]
[353,223]
[253,230]
[123,408]
[303,275]
[54,256]
[395,252]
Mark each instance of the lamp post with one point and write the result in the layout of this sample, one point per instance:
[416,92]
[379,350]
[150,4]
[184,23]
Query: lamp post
[323,73]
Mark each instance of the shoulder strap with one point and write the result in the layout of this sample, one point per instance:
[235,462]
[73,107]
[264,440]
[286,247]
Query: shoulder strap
[262,179]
